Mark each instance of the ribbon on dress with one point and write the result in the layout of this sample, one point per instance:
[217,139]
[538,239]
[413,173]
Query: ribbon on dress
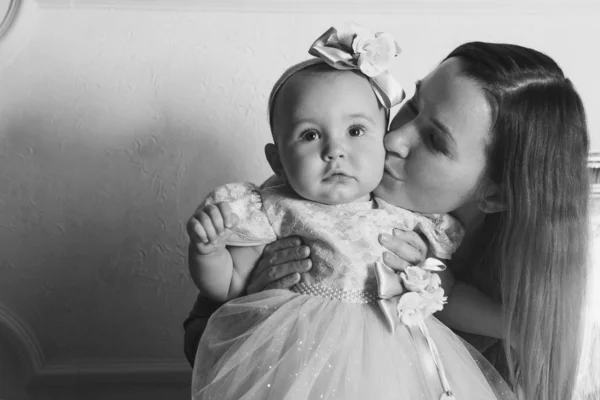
[357,48]
[423,288]
[390,288]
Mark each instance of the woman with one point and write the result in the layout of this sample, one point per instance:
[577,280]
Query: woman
[499,133]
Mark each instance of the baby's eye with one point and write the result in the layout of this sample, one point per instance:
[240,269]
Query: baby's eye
[356,131]
[309,136]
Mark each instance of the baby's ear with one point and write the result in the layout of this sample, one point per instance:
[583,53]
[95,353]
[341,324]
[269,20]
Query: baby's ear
[272,155]
[490,199]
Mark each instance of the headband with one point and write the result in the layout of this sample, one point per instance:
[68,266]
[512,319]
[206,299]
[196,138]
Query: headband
[353,48]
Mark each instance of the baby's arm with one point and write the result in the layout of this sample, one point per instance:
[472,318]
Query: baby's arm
[219,271]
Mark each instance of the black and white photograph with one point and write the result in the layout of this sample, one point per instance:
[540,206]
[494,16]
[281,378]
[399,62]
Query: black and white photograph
[299,200]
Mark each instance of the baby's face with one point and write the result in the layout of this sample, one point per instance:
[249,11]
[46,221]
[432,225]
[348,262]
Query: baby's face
[329,131]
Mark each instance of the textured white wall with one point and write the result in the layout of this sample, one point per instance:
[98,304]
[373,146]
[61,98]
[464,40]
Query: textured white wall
[114,123]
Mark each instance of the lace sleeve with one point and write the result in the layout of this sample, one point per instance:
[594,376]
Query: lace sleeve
[444,233]
[253,227]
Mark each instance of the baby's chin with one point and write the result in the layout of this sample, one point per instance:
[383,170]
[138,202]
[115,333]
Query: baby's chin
[336,198]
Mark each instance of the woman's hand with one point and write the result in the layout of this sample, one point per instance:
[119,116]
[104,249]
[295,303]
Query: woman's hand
[406,248]
[280,265]
[409,248]
[284,260]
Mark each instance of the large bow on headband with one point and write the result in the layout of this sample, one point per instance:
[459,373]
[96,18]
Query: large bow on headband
[357,48]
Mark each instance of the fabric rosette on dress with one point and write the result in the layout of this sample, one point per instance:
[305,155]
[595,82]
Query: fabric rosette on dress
[409,298]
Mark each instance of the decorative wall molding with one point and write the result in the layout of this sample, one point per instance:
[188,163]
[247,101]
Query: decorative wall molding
[7,20]
[21,337]
[31,356]
[16,28]
[493,7]
[123,372]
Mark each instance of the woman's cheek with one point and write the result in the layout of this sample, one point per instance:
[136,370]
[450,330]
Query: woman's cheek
[428,175]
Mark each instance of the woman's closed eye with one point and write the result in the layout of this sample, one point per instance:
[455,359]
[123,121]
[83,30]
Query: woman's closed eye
[432,138]
[434,141]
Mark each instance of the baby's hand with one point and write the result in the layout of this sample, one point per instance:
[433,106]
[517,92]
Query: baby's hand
[208,228]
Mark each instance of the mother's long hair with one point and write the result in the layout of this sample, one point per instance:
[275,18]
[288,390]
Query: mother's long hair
[537,155]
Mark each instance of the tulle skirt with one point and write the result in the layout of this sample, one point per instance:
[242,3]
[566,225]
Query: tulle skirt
[281,345]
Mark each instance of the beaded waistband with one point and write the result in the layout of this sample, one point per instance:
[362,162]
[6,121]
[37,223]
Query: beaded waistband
[349,296]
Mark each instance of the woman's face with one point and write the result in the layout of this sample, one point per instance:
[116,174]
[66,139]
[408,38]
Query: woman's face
[436,144]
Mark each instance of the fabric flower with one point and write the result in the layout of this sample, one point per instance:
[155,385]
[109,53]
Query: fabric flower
[434,283]
[373,52]
[435,300]
[425,297]
[425,294]
[414,307]
[353,47]
[410,308]
[432,264]
[415,279]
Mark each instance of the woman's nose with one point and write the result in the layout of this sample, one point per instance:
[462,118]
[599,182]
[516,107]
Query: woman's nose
[400,141]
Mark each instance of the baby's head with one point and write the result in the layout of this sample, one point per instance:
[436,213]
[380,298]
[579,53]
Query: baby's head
[328,129]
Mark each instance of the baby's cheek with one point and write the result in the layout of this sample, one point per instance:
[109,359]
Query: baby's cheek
[376,167]
[379,155]
[377,161]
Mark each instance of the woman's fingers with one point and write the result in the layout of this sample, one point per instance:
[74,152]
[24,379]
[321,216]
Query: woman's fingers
[286,256]
[395,262]
[414,239]
[280,252]
[280,276]
[282,244]
[281,264]
[406,248]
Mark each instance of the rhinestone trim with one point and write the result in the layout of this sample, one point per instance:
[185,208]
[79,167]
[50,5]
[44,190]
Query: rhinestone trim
[349,296]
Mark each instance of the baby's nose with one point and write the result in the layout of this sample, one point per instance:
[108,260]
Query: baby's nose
[333,150]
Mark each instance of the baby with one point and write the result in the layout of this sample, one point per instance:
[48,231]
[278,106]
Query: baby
[338,333]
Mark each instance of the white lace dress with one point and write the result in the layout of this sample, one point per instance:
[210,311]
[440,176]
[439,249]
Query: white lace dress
[328,338]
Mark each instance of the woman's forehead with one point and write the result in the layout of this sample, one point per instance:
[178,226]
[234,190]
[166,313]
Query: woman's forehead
[456,101]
